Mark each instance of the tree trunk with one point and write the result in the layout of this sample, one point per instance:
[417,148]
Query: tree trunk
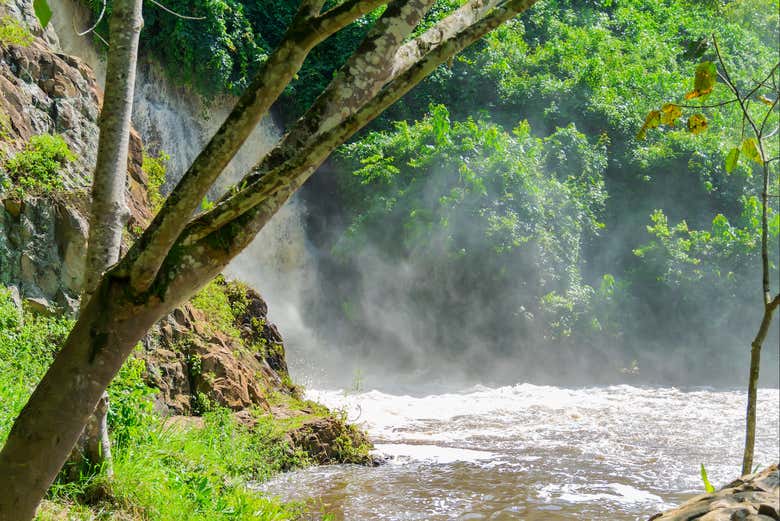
[109,211]
[50,424]
[755,366]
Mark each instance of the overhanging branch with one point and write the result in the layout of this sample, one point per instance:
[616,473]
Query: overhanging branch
[143,261]
[279,183]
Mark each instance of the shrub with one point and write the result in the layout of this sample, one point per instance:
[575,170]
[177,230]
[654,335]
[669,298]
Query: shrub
[35,170]
[155,168]
[12,32]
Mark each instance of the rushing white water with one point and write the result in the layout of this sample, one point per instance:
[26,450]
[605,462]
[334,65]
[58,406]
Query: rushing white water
[535,452]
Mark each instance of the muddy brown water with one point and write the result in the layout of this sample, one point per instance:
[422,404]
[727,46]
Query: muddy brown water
[534,453]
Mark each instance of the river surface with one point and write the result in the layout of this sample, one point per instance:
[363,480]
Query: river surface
[534,453]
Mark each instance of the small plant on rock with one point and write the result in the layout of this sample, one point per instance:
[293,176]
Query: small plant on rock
[35,170]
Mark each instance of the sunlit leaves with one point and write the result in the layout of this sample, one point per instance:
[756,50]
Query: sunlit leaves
[751,150]
[670,112]
[731,159]
[653,120]
[704,81]
[697,123]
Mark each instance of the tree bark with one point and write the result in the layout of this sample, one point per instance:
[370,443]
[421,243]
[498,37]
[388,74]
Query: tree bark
[108,213]
[50,424]
[755,365]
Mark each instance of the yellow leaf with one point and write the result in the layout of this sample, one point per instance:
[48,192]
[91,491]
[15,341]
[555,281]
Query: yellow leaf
[706,76]
[669,114]
[697,123]
[653,119]
[750,149]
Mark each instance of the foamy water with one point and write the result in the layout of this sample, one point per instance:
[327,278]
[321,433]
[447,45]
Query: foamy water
[534,452]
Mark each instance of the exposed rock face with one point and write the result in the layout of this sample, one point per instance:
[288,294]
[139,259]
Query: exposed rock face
[43,239]
[187,358]
[755,497]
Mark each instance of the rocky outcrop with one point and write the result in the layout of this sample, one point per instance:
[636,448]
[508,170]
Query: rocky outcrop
[188,360]
[43,238]
[755,497]
[331,440]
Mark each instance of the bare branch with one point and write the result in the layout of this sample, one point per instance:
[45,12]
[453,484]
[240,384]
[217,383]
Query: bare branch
[174,13]
[344,14]
[361,77]
[766,118]
[774,303]
[99,18]
[464,16]
[763,82]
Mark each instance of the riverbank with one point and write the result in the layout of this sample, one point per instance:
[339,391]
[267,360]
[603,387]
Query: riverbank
[203,407]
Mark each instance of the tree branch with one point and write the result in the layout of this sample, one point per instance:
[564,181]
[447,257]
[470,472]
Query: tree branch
[344,14]
[274,186]
[142,263]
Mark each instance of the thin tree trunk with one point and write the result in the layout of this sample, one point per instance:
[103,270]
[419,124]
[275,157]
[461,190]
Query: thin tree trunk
[109,211]
[755,364]
[769,306]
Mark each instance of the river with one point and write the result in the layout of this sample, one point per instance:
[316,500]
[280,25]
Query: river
[534,453]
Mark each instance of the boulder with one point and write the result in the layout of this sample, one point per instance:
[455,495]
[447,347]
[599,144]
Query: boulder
[754,497]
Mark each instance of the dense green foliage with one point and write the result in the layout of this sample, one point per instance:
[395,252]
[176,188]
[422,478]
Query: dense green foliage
[676,263]
[472,204]
[220,52]
[675,245]
[35,170]
[161,471]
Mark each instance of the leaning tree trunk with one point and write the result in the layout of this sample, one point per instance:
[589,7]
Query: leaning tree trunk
[108,213]
[108,328]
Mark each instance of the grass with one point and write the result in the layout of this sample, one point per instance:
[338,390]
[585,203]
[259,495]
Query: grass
[213,300]
[155,168]
[162,472]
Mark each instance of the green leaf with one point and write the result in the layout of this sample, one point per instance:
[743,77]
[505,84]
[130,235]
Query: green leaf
[42,12]
[750,149]
[697,123]
[731,159]
[707,485]
[704,81]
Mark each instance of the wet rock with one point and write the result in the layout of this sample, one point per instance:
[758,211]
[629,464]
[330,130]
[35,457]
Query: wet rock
[755,497]
[331,440]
